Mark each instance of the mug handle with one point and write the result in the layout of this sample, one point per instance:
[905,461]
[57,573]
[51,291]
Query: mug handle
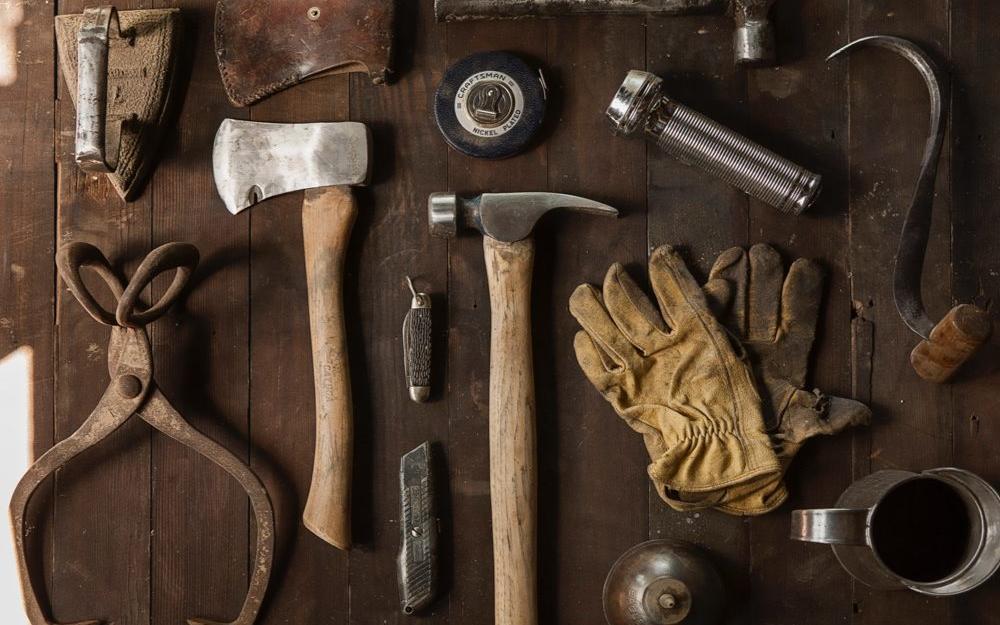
[831,526]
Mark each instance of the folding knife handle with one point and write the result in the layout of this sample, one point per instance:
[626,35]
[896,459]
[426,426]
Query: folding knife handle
[417,335]
[418,551]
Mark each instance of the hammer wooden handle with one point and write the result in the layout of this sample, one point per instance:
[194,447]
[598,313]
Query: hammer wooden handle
[952,341]
[513,473]
[328,215]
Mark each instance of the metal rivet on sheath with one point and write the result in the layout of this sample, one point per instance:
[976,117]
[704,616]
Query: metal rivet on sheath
[129,386]
[313,13]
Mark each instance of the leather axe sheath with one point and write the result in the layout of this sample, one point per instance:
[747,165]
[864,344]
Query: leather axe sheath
[264,46]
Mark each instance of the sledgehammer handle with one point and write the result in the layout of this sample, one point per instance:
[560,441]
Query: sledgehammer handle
[513,473]
[327,218]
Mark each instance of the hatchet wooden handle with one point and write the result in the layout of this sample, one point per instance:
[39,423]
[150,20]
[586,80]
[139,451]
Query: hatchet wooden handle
[952,341]
[513,473]
[328,215]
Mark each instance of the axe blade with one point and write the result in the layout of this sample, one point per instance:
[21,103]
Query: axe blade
[253,161]
[264,46]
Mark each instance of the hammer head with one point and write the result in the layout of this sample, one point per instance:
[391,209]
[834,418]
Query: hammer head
[506,217]
[253,161]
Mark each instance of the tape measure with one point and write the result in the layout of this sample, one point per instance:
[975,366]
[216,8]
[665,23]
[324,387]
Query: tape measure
[490,105]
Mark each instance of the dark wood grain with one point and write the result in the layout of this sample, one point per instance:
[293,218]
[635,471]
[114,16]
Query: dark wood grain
[976,252]
[27,276]
[469,329]
[282,407]
[888,126]
[103,497]
[582,441]
[142,531]
[201,354]
[692,211]
[393,241]
[799,110]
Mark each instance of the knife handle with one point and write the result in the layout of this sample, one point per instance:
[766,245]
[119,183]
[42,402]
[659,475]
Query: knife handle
[417,563]
[417,333]
[328,216]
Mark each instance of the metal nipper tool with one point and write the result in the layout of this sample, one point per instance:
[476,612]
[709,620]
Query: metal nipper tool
[133,391]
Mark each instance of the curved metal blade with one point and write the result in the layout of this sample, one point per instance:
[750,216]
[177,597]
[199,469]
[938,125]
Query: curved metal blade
[916,228]
[510,217]
[253,161]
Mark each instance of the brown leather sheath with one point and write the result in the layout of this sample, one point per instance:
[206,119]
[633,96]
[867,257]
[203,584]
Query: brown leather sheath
[264,46]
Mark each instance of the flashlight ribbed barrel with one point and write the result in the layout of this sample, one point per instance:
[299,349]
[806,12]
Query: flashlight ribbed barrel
[705,144]
[701,142]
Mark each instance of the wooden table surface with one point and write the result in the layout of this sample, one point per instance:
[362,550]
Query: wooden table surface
[144,531]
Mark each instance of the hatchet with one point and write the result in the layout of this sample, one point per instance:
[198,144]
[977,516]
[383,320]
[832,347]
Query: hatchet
[254,161]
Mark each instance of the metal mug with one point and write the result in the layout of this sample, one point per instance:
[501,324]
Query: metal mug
[879,512]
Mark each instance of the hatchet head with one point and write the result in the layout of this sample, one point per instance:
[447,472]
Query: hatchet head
[253,161]
[264,46]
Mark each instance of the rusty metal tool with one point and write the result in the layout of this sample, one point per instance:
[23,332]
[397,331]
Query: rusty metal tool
[506,221]
[265,46]
[120,69]
[963,330]
[133,391]
[254,161]
[417,345]
[417,562]
[753,39]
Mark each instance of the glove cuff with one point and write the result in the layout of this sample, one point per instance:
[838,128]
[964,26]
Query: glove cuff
[714,460]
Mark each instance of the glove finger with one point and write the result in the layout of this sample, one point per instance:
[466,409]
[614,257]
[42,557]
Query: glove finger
[733,267]
[633,313]
[676,290]
[801,297]
[720,294]
[585,304]
[812,414]
[763,301]
[844,413]
[596,365]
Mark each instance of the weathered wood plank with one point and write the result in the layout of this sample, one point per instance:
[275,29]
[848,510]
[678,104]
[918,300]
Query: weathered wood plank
[311,582]
[691,210]
[393,241]
[27,270]
[469,329]
[976,252]
[888,125]
[202,356]
[103,497]
[592,472]
[799,110]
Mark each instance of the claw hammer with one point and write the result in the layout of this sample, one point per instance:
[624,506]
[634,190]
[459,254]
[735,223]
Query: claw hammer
[505,221]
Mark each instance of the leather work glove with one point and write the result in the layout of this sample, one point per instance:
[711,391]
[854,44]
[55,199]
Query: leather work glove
[775,318]
[676,379]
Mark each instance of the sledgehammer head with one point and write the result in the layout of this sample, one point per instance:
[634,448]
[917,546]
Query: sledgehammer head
[506,217]
[255,160]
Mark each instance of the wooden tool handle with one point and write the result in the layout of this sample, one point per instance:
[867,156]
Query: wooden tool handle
[513,473]
[327,218]
[952,341]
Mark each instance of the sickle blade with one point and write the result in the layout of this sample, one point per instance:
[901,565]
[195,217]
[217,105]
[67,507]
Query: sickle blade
[916,228]
[254,161]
